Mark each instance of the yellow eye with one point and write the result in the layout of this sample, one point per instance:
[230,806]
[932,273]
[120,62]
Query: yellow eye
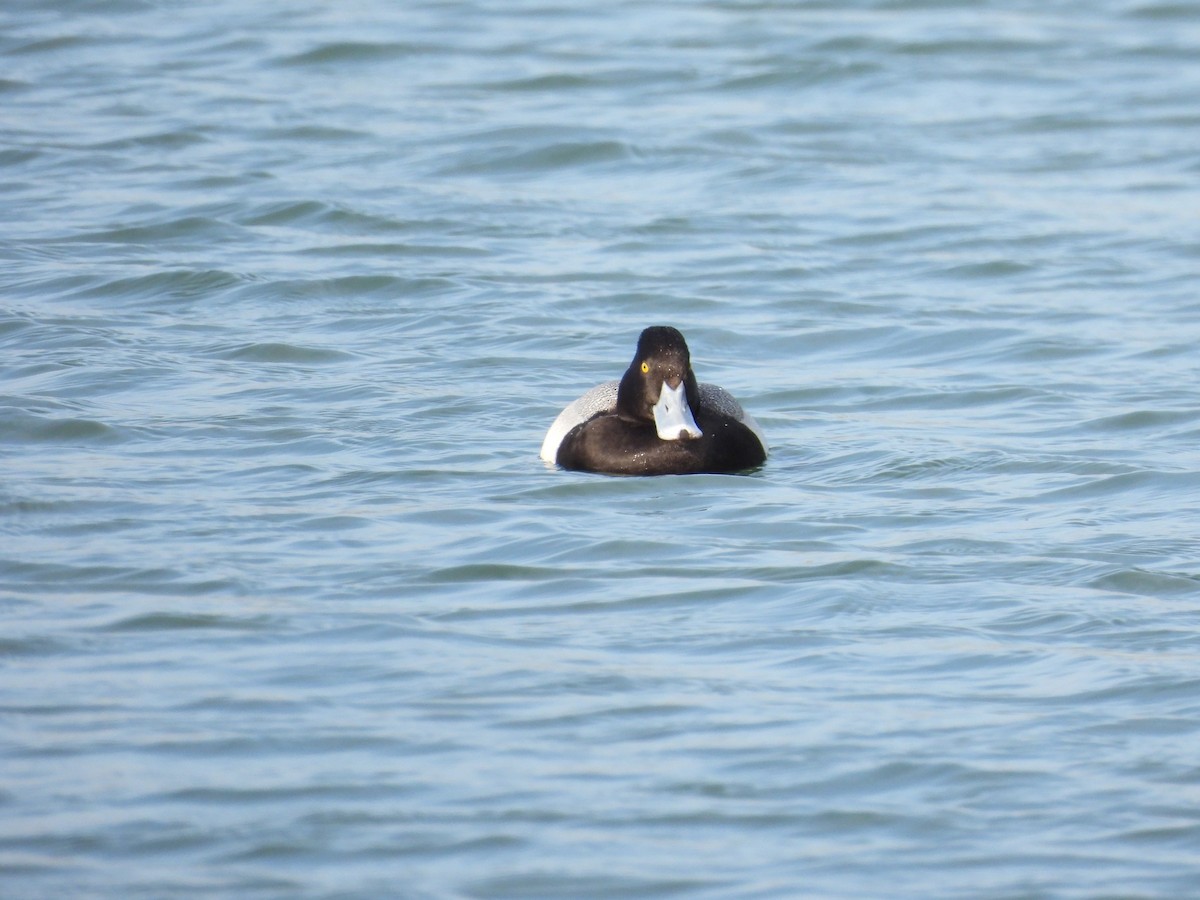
[645,367]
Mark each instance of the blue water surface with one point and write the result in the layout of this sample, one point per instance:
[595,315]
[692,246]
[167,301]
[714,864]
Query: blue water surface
[289,294]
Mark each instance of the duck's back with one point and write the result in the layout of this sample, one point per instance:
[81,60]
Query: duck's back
[600,399]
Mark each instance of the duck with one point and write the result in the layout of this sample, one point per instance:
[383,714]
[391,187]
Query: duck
[656,420]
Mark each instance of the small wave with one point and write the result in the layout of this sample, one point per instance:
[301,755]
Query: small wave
[276,352]
[114,578]
[1157,483]
[1168,12]
[1146,583]
[309,133]
[989,46]
[287,213]
[175,284]
[558,884]
[851,568]
[34,428]
[331,217]
[788,74]
[158,140]
[196,227]
[558,81]
[51,45]
[17,157]
[30,646]
[996,268]
[1142,420]
[355,52]
[938,468]
[356,286]
[490,572]
[164,621]
[560,155]
[371,250]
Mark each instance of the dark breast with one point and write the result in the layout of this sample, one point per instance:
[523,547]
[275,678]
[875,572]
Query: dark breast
[618,446]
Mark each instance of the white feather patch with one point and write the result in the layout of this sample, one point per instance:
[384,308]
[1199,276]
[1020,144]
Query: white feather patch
[600,399]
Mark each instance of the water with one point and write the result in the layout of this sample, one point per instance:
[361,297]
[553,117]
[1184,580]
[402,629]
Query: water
[289,294]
